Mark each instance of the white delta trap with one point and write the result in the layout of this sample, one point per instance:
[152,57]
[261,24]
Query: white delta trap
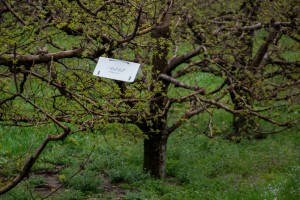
[120,70]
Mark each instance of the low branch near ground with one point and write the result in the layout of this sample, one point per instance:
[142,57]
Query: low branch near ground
[32,159]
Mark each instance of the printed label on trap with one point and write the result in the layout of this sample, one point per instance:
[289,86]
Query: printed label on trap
[116,69]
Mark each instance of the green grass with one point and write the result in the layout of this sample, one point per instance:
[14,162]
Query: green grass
[197,167]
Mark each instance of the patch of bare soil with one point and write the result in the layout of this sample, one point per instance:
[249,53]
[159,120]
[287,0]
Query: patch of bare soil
[52,182]
[112,188]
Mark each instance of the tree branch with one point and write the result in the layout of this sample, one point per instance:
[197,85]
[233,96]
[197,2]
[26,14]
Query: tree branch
[260,26]
[173,63]
[9,99]
[187,115]
[32,159]
[8,59]
[284,63]
[45,113]
[180,84]
[79,2]
[134,33]
[264,48]
[13,12]
[101,8]
[60,87]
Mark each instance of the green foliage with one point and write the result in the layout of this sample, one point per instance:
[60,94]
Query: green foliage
[85,181]
[242,171]
[22,192]
[15,146]
[290,189]
[36,180]
[197,167]
[69,194]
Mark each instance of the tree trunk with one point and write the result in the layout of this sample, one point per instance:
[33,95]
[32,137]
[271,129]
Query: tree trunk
[243,126]
[242,123]
[155,147]
[243,72]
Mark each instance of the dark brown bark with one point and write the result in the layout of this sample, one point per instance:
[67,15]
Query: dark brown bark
[155,147]
[242,100]
[40,58]
[156,144]
[242,123]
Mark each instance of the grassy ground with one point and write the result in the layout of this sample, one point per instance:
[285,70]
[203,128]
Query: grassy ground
[106,166]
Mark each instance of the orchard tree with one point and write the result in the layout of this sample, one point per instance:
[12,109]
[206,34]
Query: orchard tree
[50,48]
[253,45]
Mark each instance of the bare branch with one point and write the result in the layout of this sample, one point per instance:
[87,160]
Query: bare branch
[259,26]
[284,63]
[79,2]
[173,63]
[187,115]
[185,98]
[13,12]
[225,82]
[60,87]
[32,159]
[45,113]
[8,59]
[9,99]
[180,84]
[134,33]
[264,48]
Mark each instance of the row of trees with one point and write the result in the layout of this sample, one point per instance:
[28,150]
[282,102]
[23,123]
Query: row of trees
[49,49]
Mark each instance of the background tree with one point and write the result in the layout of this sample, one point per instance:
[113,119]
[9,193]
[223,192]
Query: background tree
[242,42]
[49,50]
